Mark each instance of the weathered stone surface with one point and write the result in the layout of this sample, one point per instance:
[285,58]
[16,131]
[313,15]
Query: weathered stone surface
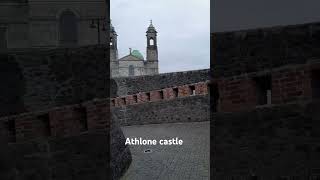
[80,157]
[133,85]
[68,142]
[254,50]
[269,142]
[185,109]
[120,154]
[86,156]
[38,80]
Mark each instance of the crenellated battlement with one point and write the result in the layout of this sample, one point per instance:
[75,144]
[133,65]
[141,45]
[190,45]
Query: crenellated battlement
[65,121]
[170,93]
[258,67]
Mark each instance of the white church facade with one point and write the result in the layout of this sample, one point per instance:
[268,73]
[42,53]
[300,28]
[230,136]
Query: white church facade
[134,63]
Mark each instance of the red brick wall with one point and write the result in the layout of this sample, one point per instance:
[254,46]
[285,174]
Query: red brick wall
[67,121]
[236,94]
[98,113]
[168,93]
[184,91]
[130,100]
[142,97]
[200,88]
[291,85]
[31,126]
[58,122]
[240,93]
[155,95]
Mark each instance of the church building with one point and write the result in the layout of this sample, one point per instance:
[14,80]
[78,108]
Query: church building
[46,24]
[134,63]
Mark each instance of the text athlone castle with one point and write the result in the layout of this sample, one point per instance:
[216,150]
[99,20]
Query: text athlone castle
[134,63]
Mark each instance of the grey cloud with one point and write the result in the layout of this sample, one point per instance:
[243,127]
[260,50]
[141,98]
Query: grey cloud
[183,26]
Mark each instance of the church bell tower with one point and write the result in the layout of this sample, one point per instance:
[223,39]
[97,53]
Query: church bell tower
[152,50]
[114,64]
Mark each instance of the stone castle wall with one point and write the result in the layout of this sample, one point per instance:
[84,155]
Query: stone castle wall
[186,103]
[184,109]
[170,93]
[34,80]
[288,84]
[277,142]
[133,85]
[50,127]
[69,142]
[285,58]
[52,145]
[256,50]
[57,122]
[274,140]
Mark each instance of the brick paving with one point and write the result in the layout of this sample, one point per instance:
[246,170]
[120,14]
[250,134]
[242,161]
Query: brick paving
[190,161]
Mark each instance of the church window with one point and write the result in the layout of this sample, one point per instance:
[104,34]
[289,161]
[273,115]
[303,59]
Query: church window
[151,41]
[131,70]
[68,28]
[3,38]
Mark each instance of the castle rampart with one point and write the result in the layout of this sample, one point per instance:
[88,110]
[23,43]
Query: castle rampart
[60,141]
[169,93]
[62,121]
[133,85]
[43,79]
[266,66]
[264,99]
[275,142]
[262,49]
[185,103]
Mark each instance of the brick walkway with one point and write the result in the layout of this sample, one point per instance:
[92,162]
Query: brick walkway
[190,161]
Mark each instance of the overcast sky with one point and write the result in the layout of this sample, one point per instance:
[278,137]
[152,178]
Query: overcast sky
[183,30]
[243,14]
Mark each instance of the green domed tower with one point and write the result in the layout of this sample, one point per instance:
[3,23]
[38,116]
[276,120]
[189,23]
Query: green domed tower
[137,54]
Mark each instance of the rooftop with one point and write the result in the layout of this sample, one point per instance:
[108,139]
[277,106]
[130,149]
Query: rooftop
[137,54]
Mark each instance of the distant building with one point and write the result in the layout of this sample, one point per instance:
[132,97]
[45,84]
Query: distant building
[51,23]
[134,63]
